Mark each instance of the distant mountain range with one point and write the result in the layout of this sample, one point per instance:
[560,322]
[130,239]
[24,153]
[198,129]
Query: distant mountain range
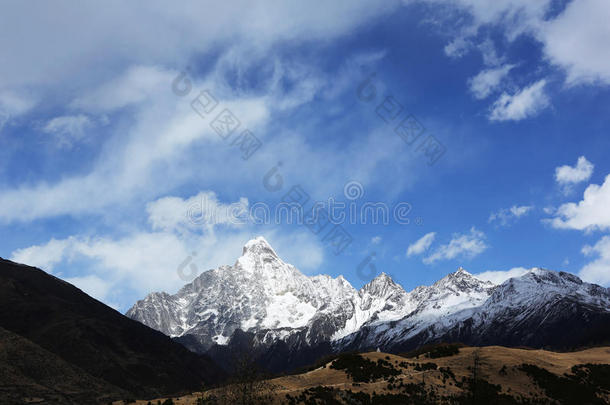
[288,319]
[61,346]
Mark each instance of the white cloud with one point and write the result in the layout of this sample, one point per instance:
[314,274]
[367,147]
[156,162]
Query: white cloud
[500,276]
[148,261]
[527,102]
[156,40]
[597,271]
[506,215]
[591,213]
[489,53]
[466,245]
[14,104]
[42,256]
[201,210]
[68,129]
[421,245]
[488,80]
[566,176]
[457,48]
[164,135]
[163,130]
[145,261]
[93,285]
[152,129]
[136,85]
[577,40]
[375,240]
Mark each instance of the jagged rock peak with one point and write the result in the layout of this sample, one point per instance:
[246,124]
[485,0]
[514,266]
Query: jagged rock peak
[382,278]
[461,273]
[258,246]
[381,283]
[462,280]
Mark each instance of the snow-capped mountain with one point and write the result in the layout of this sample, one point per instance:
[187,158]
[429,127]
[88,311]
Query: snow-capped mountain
[275,304]
[259,294]
[536,309]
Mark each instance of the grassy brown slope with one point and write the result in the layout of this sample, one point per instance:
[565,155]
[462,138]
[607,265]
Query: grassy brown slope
[496,365]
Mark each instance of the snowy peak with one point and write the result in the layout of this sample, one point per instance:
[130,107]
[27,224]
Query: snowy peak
[544,276]
[259,256]
[539,284]
[381,286]
[258,247]
[462,281]
[262,295]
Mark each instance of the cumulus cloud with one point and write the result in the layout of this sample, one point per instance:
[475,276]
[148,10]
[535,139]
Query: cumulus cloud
[421,245]
[144,260]
[573,38]
[566,176]
[597,271]
[466,245]
[147,260]
[500,276]
[488,80]
[43,256]
[525,103]
[590,214]
[577,40]
[506,216]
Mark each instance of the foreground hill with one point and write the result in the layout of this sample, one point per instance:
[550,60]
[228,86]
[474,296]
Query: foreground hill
[485,375]
[78,334]
[30,373]
[287,319]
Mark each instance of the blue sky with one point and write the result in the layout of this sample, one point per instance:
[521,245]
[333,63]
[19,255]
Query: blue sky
[102,157]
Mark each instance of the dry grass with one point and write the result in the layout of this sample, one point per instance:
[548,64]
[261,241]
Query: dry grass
[491,360]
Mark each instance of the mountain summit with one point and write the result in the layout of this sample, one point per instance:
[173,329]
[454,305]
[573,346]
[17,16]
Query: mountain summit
[273,303]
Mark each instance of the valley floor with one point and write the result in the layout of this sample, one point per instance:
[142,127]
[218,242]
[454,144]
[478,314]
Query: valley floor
[491,374]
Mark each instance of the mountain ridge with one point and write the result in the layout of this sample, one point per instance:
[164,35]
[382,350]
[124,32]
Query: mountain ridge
[275,304]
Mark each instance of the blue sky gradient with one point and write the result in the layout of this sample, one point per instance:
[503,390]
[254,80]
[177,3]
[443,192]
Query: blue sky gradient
[100,160]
